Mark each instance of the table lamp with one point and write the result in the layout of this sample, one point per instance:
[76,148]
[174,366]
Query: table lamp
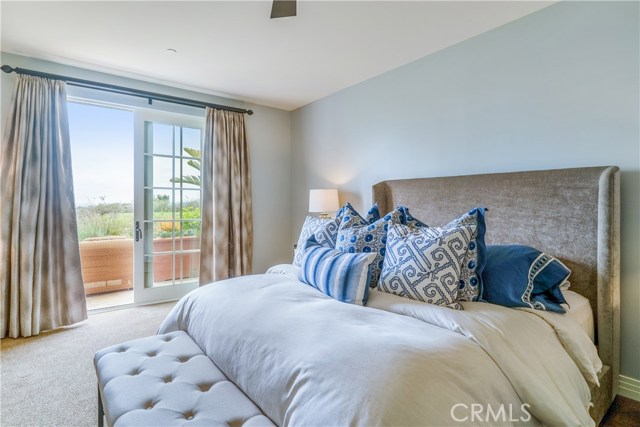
[323,201]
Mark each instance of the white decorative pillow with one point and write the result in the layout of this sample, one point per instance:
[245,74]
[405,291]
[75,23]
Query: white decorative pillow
[325,231]
[579,309]
[425,263]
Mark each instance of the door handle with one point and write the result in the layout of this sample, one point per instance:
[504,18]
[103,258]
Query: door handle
[138,231]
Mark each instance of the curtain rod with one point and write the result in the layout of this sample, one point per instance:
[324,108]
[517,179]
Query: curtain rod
[122,90]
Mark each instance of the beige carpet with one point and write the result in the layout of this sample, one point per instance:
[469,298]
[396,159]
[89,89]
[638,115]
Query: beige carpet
[49,380]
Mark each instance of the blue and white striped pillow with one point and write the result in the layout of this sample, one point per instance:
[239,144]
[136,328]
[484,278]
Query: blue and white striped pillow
[340,275]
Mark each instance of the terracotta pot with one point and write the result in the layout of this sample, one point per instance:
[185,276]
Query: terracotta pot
[162,264]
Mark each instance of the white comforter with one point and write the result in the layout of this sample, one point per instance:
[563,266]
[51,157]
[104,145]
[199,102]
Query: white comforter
[308,360]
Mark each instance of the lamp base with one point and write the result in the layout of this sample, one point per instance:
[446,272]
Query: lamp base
[324,215]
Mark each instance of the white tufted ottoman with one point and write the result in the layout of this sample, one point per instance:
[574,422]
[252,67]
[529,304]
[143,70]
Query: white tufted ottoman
[166,380]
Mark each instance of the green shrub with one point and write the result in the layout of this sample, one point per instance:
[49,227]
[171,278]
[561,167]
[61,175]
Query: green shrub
[116,219]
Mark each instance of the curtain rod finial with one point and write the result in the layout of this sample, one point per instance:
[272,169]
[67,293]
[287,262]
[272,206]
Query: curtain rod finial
[7,69]
[250,112]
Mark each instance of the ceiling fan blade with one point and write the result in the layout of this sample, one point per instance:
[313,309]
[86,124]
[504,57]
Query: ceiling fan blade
[283,8]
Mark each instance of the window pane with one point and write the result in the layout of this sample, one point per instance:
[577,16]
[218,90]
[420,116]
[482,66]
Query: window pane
[162,140]
[158,270]
[172,205]
[190,235]
[191,140]
[190,200]
[158,204]
[187,267]
[190,173]
[161,172]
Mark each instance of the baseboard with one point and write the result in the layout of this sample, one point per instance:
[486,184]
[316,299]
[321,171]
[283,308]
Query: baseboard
[629,387]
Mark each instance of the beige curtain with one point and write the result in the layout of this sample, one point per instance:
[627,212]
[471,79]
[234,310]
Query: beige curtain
[40,275]
[227,224]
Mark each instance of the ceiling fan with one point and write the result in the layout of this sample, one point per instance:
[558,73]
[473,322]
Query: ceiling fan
[283,8]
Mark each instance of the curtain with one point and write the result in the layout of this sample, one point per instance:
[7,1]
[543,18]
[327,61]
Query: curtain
[40,275]
[226,246]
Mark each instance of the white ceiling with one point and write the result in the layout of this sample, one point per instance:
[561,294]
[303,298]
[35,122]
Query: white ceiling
[232,48]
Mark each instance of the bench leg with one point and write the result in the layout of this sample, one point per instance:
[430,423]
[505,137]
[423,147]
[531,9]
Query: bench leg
[100,410]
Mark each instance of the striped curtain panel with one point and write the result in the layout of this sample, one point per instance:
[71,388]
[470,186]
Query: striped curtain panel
[226,246]
[40,275]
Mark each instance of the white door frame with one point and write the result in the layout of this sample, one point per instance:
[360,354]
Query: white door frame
[141,293]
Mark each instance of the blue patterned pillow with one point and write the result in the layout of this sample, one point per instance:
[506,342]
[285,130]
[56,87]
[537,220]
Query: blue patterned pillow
[407,219]
[325,231]
[425,263]
[470,282]
[349,216]
[521,276]
[468,259]
[343,276]
[369,238]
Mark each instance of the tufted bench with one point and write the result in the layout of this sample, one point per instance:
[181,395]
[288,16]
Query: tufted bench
[166,380]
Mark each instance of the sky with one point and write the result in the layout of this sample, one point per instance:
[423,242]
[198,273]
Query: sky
[102,154]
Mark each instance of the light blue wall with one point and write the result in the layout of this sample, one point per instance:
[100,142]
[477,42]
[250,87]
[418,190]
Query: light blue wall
[268,133]
[555,89]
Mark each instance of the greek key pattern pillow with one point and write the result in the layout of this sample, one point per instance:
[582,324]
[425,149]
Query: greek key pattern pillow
[407,219]
[425,264]
[470,282]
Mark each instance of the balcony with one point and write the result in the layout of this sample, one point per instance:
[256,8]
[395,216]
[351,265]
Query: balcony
[107,266]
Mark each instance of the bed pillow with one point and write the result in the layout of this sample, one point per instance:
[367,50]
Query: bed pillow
[369,238]
[522,276]
[325,231]
[349,216]
[340,275]
[427,263]
[470,280]
[579,309]
[407,219]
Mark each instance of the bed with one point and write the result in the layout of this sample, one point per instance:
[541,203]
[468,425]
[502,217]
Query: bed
[306,359]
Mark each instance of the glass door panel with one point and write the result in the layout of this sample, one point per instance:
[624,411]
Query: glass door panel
[169,216]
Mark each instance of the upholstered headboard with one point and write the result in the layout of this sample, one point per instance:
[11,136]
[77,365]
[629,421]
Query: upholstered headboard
[572,214]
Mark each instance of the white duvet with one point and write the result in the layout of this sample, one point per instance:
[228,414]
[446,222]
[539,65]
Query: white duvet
[308,360]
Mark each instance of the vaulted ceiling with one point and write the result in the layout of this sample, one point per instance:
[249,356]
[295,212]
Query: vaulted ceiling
[233,49]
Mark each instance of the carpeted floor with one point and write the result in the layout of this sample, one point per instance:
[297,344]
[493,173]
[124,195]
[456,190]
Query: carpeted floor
[49,380]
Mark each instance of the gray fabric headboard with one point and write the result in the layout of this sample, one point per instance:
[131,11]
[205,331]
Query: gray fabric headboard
[572,214]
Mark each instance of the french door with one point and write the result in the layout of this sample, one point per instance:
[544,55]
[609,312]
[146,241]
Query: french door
[167,195]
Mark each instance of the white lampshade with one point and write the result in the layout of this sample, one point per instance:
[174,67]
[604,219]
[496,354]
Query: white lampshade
[325,200]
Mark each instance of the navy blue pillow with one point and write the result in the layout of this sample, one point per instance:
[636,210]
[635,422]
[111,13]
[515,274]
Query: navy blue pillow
[522,276]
